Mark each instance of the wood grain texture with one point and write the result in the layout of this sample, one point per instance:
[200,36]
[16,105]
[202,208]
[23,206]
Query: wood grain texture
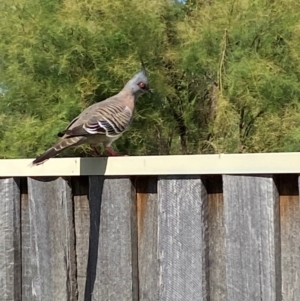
[182,241]
[52,245]
[116,262]
[26,248]
[80,186]
[10,242]
[290,237]
[251,207]
[216,230]
[147,213]
[95,203]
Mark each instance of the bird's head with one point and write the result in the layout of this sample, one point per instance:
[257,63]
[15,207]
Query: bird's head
[139,83]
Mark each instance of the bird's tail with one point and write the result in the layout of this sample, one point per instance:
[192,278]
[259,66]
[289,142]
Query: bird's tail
[57,148]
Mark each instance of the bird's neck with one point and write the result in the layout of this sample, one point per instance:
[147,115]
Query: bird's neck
[128,98]
[128,94]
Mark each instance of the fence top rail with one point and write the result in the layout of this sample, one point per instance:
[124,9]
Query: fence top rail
[259,163]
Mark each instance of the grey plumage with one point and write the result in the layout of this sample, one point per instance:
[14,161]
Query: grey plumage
[102,122]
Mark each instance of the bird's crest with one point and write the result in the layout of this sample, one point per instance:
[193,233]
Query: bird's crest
[143,67]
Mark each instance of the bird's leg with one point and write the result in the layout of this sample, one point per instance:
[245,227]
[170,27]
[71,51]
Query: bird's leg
[112,152]
[94,148]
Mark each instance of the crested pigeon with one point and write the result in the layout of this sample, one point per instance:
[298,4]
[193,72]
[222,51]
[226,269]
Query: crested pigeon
[103,122]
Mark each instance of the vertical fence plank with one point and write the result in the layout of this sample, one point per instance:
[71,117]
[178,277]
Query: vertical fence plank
[10,252]
[95,203]
[147,214]
[216,230]
[182,242]
[116,260]
[252,238]
[290,236]
[80,187]
[53,263]
[26,248]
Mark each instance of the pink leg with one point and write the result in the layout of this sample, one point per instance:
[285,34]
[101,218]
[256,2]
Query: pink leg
[94,148]
[112,152]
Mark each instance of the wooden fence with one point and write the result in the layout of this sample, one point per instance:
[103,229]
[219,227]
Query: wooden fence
[149,237]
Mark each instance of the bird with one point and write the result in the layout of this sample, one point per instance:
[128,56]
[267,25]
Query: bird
[103,122]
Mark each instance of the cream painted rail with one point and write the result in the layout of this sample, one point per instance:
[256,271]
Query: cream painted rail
[267,163]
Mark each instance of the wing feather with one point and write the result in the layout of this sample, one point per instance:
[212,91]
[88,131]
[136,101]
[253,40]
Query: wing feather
[111,120]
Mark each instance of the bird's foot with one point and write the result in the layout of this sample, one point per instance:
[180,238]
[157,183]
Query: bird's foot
[98,154]
[111,152]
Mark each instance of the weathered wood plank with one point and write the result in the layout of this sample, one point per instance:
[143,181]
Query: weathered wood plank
[26,249]
[95,203]
[216,230]
[10,241]
[147,213]
[182,242]
[80,187]
[290,237]
[251,207]
[113,256]
[52,245]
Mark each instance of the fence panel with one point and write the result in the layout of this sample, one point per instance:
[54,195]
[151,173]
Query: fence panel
[51,234]
[290,237]
[10,240]
[25,244]
[114,240]
[182,239]
[147,214]
[80,186]
[253,267]
[216,236]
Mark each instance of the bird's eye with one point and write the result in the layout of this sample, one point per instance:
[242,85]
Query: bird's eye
[142,85]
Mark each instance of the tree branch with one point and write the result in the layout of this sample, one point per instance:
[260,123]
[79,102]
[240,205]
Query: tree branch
[221,64]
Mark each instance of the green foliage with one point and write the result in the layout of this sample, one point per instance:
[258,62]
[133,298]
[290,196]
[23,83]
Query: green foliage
[226,73]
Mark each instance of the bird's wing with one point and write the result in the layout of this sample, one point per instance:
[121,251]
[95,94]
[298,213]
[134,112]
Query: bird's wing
[111,119]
